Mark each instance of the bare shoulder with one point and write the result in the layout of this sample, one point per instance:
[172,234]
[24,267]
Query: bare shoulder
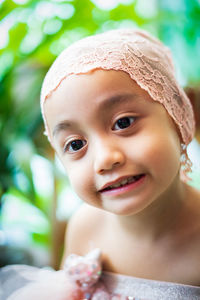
[87,214]
[82,227]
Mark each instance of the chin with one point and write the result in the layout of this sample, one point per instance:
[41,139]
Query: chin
[125,208]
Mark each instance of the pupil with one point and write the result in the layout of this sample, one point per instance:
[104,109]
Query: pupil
[76,145]
[123,123]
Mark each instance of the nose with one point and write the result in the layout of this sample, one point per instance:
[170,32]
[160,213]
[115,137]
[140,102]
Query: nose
[107,157]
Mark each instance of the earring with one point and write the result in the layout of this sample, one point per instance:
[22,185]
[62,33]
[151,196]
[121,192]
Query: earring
[186,164]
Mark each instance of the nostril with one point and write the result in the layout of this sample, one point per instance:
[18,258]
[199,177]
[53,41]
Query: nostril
[101,171]
[106,161]
[113,165]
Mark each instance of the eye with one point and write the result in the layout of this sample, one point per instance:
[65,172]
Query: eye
[74,145]
[123,123]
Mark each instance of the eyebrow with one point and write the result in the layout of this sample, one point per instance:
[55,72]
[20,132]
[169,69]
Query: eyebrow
[116,99]
[106,103]
[63,125]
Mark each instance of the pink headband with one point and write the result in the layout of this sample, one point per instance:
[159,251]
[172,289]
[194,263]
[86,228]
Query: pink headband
[144,58]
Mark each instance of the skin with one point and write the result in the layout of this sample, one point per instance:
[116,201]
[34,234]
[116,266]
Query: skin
[154,221]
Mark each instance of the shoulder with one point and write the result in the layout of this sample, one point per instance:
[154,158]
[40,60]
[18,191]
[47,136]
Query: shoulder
[87,214]
[81,229]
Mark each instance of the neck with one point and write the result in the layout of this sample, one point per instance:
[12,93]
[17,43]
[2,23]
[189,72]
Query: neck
[160,217]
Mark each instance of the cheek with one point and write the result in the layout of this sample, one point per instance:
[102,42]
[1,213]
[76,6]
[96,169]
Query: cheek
[81,183]
[160,154]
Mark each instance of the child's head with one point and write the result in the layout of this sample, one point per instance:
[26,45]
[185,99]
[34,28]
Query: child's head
[101,106]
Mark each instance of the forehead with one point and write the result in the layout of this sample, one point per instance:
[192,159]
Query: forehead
[92,87]
[95,95]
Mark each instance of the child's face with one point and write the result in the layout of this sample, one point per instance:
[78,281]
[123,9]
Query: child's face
[108,131]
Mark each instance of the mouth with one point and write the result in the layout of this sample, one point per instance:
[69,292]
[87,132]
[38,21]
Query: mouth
[123,182]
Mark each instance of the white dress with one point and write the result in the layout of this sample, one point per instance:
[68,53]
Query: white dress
[82,279]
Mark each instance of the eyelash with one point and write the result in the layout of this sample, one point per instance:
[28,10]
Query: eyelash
[84,142]
[69,143]
[132,119]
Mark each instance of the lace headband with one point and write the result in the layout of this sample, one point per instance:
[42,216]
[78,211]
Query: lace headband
[144,58]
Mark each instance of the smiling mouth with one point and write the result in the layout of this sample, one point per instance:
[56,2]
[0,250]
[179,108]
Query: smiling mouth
[124,182]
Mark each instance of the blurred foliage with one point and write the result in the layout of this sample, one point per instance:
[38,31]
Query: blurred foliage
[180,30]
[32,34]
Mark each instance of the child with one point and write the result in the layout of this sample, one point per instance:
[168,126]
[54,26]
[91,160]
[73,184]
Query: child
[120,125]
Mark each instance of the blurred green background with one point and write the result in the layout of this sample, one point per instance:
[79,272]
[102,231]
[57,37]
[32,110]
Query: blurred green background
[35,198]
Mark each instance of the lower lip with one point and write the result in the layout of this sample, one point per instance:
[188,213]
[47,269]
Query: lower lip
[126,188]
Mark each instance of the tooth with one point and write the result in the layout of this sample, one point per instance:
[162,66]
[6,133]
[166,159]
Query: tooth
[124,181]
[116,185]
[131,179]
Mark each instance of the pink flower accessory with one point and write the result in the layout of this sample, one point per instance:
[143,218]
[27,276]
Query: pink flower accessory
[84,271]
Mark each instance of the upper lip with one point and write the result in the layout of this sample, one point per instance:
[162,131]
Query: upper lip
[116,181]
